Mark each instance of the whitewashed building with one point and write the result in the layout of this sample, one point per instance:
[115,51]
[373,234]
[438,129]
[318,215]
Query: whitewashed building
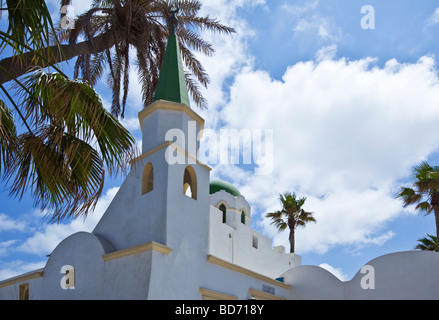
[171,233]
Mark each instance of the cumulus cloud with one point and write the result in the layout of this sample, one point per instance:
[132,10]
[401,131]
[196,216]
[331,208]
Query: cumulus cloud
[17,267]
[41,239]
[344,133]
[434,18]
[338,272]
[48,236]
[7,223]
[231,53]
[297,10]
[322,27]
[308,22]
[326,53]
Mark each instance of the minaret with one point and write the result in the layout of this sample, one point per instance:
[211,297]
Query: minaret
[165,198]
[171,94]
[172,82]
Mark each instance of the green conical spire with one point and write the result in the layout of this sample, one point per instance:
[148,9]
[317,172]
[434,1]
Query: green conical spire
[172,81]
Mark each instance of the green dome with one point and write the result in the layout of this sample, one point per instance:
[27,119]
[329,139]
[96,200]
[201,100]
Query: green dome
[219,185]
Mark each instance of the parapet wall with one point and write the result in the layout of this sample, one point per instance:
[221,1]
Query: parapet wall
[397,276]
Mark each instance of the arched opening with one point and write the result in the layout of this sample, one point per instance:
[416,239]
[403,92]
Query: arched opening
[190,182]
[223,209]
[24,291]
[255,240]
[147,178]
[188,191]
[242,217]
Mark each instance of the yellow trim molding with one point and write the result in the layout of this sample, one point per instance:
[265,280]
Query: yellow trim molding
[207,294]
[169,105]
[191,157]
[25,277]
[236,268]
[150,152]
[150,246]
[168,144]
[260,295]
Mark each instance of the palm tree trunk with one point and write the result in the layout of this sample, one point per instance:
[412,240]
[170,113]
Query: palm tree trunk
[291,240]
[16,66]
[436,216]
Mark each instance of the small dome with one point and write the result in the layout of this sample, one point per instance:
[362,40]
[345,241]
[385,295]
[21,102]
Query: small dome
[219,185]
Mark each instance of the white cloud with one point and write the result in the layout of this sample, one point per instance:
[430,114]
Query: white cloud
[131,124]
[8,224]
[45,237]
[18,267]
[326,53]
[297,10]
[311,24]
[344,133]
[48,236]
[5,245]
[434,18]
[338,272]
[231,53]
[323,27]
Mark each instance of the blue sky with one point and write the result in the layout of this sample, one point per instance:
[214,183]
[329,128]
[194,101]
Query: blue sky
[352,111]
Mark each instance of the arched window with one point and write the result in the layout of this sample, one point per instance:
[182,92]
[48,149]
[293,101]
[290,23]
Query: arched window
[190,182]
[223,209]
[255,240]
[24,291]
[147,178]
[242,217]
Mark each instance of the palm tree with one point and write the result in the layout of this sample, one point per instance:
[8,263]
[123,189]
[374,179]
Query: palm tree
[56,138]
[69,142]
[110,28]
[292,215]
[425,191]
[427,244]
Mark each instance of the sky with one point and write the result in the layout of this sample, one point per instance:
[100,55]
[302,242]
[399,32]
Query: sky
[347,102]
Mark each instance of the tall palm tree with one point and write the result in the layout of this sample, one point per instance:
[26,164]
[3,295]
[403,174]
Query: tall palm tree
[110,28]
[427,243]
[424,192]
[56,138]
[292,215]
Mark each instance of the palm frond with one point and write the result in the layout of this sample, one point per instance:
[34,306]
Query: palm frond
[66,177]
[428,243]
[75,106]
[8,133]
[143,25]
[276,220]
[28,22]
[409,196]
[292,214]
[74,141]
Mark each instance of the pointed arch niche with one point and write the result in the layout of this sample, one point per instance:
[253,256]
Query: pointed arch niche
[147,178]
[190,183]
[223,209]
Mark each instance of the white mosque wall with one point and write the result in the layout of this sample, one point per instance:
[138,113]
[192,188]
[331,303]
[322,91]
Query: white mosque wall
[132,218]
[395,276]
[238,243]
[164,118]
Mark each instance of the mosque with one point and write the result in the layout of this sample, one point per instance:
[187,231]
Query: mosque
[170,233]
